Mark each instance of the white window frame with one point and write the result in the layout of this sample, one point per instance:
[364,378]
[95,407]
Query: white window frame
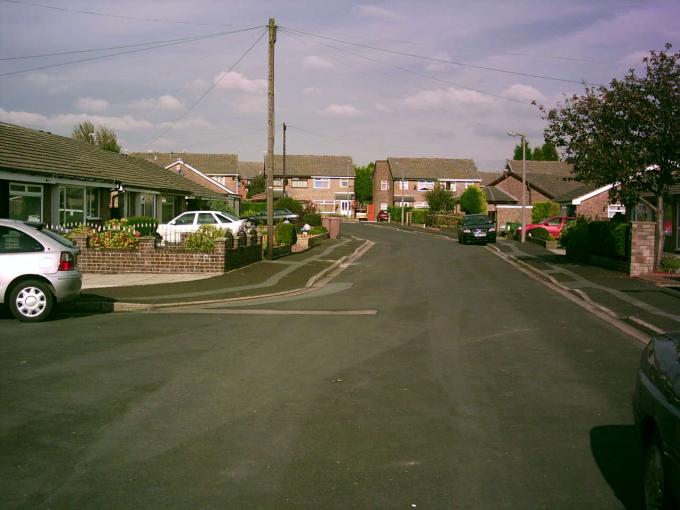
[383,206]
[298,183]
[425,185]
[344,183]
[24,192]
[322,183]
[403,185]
[325,202]
[384,186]
[278,182]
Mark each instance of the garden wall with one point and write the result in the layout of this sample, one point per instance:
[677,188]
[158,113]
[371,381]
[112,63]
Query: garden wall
[148,258]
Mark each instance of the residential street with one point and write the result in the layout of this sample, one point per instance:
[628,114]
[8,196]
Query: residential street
[427,375]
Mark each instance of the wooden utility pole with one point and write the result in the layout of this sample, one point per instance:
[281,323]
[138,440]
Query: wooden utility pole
[270,144]
[284,160]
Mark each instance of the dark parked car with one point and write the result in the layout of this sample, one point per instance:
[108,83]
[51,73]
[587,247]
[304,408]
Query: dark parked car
[383,215]
[656,407]
[476,228]
[279,215]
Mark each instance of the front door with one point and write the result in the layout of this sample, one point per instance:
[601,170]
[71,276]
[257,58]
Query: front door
[346,207]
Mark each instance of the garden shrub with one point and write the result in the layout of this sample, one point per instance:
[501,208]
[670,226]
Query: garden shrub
[204,238]
[285,233]
[318,230]
[312,219]
[604,238]
[145,225]
[473,200]
[574,236]
[540,233]
[419,215]
[291,204]
[252,208]
[543,210]
[395,212]
[222,206]
[511,228]
[670,264]
[450,220]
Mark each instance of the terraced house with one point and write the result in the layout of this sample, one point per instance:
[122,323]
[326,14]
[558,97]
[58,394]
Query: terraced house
[58,180]
[406,181]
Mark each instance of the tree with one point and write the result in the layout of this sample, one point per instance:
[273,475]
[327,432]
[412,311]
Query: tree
[363,183]
[545,152]
[626,134]
[473,201]
[518,152]
[543,210]
[549,152]
[440,199]
[256,186]
[102,137]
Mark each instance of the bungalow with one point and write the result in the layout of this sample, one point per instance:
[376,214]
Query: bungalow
[406,181]
[59,180]
[218,172]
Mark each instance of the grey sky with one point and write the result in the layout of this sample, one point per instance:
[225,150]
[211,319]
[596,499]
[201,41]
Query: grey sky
[335,98]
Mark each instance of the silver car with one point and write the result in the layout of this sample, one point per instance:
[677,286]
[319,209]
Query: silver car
[38,268]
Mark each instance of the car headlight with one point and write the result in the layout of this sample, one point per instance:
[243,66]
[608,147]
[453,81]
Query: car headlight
[466,231]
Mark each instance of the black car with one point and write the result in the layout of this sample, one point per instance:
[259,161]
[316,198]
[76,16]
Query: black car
[476,228]
[279,215]
[656,407]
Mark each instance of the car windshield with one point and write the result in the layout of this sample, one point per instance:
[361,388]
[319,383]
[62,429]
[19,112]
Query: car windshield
[476,219]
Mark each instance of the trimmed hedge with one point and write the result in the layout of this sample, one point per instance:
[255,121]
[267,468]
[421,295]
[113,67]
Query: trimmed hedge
[145,225]
[318,230]
[291,204]
[543,210]
[604,238]
[204,238]
[540,233]
[395,212]
[443,220]
[419,215]
[312,219]
[285,233]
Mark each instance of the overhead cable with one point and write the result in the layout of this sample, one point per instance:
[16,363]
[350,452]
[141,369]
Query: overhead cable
[434,59]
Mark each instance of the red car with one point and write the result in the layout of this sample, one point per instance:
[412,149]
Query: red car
[553,225]
[382,215]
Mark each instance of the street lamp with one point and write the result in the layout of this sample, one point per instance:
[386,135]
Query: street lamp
[524,181]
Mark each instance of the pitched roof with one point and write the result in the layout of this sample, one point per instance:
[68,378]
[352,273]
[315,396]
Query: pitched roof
[211,164]
[576,192]
[488,177]
[541,167]
[38,152]
[250,169]
[433,168]
[310,165]
[498,196]
[552,185]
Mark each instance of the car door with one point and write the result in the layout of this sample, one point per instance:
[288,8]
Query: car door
[20,254]
[182,224]
[553,226]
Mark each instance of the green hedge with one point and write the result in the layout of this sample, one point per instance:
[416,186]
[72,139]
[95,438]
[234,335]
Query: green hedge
[419,215]
[204,238]
[291,204]
[540,233]
[443,220]
[604,238]
[318,230]
[395,212]
[543,210]
[145,225]
[312,219]
[252,208]
[285,233]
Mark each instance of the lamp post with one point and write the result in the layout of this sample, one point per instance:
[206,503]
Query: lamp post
[524,181]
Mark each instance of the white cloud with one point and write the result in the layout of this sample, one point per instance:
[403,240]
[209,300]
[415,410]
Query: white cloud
[68,120]
[53,84]
[311,90]
[433,66]
[91,104]
[236,81]
[382,108]
[373,11]
[524,93]
[341,110]
[315,62]
[165,102]
[251,104]
[198,85]
[438,98]
[191,123]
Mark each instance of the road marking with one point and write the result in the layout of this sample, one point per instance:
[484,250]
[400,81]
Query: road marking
[232,311]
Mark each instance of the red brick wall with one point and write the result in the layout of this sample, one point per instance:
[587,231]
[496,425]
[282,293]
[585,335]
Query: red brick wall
[642,248]
[382,173]
[514,214]
[594,208]
[147,258]
[513,187]
[187,173]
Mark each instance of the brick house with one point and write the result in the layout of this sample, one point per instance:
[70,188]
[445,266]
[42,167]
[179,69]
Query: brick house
[325,181]
[410,179]
[218,172]
[247,170]
[550,181]
[58,180]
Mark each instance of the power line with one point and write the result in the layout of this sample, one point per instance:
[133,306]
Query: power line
[210,89]
[424,75]
[439,60]
[150,43]
[117,16]
[100,57]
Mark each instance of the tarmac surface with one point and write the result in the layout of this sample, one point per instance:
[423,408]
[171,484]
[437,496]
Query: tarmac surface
[649,305]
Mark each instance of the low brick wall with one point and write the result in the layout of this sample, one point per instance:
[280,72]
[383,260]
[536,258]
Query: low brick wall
[642,241]
[148,258]
[306,242]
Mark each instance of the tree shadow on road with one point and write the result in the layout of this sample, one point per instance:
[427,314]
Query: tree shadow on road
[618,454]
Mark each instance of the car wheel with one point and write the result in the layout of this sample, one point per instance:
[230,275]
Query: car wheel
[656,484]
[31,301]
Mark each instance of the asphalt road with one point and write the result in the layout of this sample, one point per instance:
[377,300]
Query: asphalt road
[428,375]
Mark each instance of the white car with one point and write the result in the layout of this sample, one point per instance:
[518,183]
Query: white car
[193,220]
[38,268]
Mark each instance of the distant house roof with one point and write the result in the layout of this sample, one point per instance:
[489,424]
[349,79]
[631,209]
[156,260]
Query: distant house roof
[250,169]
[41,153]
[497,196]
[310,165]
[433,168]
[209,164]
[541,167]
[488,177]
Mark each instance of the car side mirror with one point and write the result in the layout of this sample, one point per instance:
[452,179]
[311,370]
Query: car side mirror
[172,222]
